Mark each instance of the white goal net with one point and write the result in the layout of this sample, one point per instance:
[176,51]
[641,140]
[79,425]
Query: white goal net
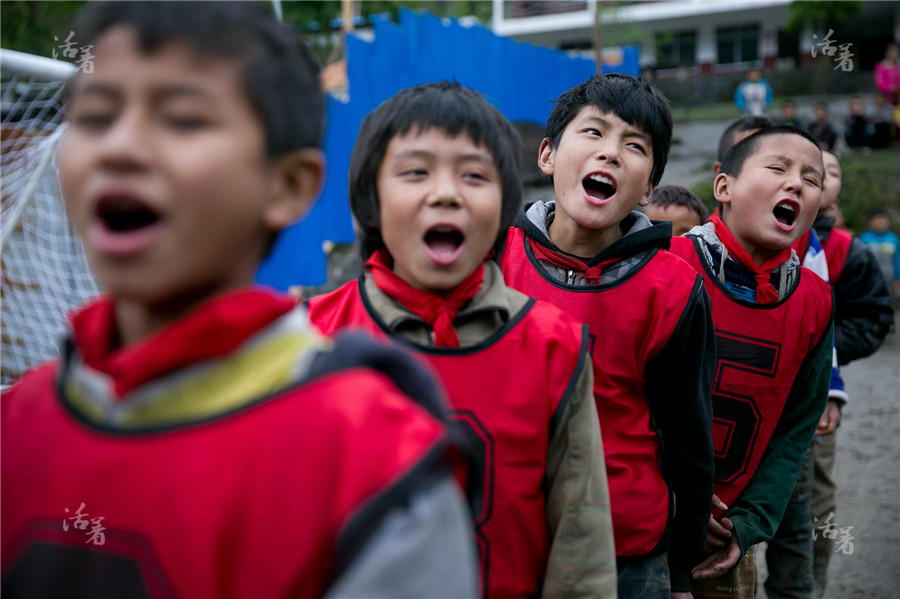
[43,271]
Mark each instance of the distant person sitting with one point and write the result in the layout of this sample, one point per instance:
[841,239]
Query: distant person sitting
[754,94]
[677,205]
[820,127]
[858,130]
[884,130]
[789,115]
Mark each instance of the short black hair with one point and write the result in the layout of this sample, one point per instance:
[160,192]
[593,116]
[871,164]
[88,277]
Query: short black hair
[669,195]
[443,105]
[877,212]
[734,158]
[636,101]
[745,123]
[280,74]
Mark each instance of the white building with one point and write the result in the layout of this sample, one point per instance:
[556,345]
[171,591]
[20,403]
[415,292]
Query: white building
[707,37]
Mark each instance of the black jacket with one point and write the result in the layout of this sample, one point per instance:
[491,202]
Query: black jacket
[863,313]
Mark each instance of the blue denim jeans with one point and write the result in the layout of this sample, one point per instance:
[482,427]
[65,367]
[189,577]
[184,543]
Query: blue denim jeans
[789,555]
[647,579]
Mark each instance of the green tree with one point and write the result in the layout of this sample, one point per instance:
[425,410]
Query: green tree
[29,26]
[314,18]
[821,13]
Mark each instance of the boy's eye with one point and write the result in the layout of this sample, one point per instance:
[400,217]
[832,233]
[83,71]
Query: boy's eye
[413,172]
[813,182]
[185,123]
[475,176]
[638,147]
[777,168]
[592,131]
[91,120]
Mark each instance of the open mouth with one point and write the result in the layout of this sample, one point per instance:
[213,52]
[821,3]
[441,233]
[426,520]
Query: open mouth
[125,214]
[443,243]
[443,239]
[785,213]
[599,187]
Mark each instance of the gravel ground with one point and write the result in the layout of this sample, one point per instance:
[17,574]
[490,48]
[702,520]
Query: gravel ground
[867,472]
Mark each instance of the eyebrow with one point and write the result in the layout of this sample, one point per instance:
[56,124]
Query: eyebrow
[630,130]
[162,93]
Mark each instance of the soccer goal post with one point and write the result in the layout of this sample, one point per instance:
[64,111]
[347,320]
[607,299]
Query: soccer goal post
[43,270]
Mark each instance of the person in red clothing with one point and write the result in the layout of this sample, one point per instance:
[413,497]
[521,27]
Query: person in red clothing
[593,255]
[198,438]
[434,185]
[773,322]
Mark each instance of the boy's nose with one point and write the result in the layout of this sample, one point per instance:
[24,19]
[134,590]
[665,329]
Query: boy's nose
[794,183]
[124,145]
[445,192]
[608,153]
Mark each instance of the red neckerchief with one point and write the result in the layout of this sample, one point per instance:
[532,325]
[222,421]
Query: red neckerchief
[214,329]
[765,291]
[438,311]
[591,273]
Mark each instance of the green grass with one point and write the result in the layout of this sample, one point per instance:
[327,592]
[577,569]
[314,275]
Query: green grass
[870,181]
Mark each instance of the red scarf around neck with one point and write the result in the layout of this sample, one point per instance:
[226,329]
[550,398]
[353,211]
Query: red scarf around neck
[591,273]
[214,329]
[438,311]
[765,291]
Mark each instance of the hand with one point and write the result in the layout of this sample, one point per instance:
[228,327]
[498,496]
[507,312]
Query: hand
[719,562]
[830,419]
[682,595]
[718,534]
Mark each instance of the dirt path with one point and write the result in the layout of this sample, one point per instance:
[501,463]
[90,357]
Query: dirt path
[867,471]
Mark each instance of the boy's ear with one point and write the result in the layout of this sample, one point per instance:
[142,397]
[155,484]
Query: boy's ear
[722,188]
[648,195]
[546,154]
[297,181]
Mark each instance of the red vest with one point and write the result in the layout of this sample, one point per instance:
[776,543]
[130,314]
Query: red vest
[506,393]
[254,503]
[760,349]
[629,322]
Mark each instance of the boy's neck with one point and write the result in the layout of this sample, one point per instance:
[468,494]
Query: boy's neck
[759,255]
[136,321]
[576,240]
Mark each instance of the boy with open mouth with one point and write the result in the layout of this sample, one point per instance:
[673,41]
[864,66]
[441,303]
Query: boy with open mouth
[774,342]
[600,260]
[199,438]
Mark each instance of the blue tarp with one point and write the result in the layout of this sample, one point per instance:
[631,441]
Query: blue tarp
[521,80]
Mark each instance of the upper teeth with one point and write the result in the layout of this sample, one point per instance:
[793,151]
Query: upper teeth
[790,207]
[601,179]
